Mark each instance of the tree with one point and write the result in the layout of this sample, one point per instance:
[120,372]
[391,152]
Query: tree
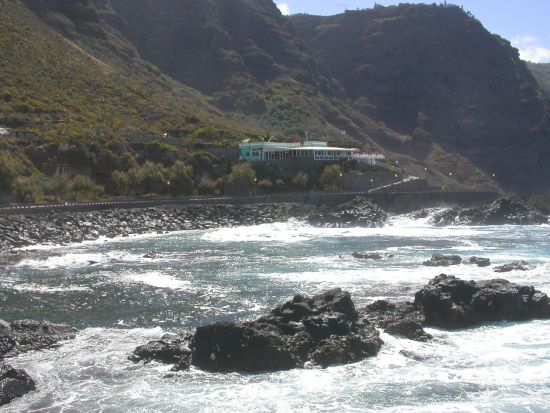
[265,184]
[301,180]
[83,188]
[242,174]
[208,187]
[10,168]
[181,178]
[331,178]
[57,186]
[121,182]
[27,189]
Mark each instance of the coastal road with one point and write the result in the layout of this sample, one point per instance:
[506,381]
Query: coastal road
[401,200]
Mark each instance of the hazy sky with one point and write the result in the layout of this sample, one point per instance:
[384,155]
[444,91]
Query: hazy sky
[526,23]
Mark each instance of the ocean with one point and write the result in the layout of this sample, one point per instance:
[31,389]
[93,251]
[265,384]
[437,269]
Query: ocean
[124,292]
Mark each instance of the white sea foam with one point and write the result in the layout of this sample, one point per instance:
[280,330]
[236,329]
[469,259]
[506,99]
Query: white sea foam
[500,367]
[159,280]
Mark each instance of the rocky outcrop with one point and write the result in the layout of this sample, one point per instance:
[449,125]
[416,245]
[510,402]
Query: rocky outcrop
[69,227]
[359,212]
[368,255]
[14,383]
[479,261]
[450,302]
[401,319]
[27,335]
[170,349]
[439,260]
[323,330]
[513,266]
[500,212]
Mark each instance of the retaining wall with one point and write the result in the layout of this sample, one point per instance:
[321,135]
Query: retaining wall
[392,202]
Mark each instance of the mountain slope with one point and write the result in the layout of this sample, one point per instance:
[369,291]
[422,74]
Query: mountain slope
[73,77]
[427,85]
[541,72]
[435,74]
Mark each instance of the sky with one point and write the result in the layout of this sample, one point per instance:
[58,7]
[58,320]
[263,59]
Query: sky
[526,23]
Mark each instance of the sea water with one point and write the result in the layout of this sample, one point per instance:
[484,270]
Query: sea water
[124,292]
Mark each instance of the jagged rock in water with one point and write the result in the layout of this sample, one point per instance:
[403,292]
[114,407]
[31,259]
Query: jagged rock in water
[500,212]
[439,260]
[367,255]
[359,212]
[323,330]
[14,383]
[450,302]
[479,261]
[27,335]
[170,349]
[513,266]
[402,319]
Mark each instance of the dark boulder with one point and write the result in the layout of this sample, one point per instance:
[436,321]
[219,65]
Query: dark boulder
[500,212]
[323,329]
[359,212]
[449,302]
[479,261]
[27,335]
[439,260]
[14,383]
[367,255]
[401,319]
[513,266]
[345,349]
[242,347]
[170,349]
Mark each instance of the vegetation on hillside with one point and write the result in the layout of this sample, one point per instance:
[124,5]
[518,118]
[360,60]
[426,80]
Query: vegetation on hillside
[99,81]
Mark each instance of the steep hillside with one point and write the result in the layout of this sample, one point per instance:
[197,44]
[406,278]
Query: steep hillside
[435,74]
[427,85]
[541,72]
[65,74]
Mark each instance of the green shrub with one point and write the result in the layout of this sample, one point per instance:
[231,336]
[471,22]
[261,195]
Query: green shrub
[301,180]
[265,184]
[10,168]
[208,186]
[331,178]
[83,188]
[27,189]
[58,187]
[242,174]
[181,178]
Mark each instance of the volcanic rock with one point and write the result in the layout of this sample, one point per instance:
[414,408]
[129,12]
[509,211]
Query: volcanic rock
[500,212]
[449,302]
[170,349]
[402,319]
[27,335]
[479,261]
[439,260]
[513,266]
[323,330]
[14,383]
[359,212]
[367,255]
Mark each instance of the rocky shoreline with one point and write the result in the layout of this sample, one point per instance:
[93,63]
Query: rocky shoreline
[322,330]
[68,227]
[17,231]
[327,329]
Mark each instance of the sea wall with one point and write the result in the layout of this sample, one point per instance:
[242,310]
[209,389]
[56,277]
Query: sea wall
[390,201]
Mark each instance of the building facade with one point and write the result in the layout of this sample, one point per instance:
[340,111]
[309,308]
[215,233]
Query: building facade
[315,150]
